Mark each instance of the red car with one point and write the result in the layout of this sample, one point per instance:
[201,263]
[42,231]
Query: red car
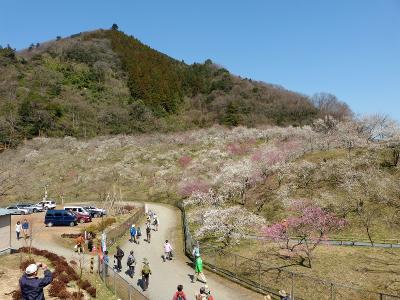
[82,218]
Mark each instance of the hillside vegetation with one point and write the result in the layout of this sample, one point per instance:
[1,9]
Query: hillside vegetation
[105,82]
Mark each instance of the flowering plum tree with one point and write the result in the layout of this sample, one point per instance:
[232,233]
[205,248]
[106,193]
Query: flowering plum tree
[187,188]
[228,225]
[184,161]
[302,233]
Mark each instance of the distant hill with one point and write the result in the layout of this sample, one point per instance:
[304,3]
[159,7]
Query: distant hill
[105,82]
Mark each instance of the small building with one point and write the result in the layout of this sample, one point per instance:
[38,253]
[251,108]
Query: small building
[5,231]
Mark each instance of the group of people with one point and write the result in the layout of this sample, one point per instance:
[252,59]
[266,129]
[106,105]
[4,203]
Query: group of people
[22,228]
[83,239]
[204,294]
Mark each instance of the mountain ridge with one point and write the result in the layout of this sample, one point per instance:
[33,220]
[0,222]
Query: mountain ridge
[106,82]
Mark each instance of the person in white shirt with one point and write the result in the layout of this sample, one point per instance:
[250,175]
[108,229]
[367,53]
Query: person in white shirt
[18,228]
[167,251]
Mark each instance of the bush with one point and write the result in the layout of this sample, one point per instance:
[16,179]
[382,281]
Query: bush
[57,287]
[26,263]
[16,295]
[92,291]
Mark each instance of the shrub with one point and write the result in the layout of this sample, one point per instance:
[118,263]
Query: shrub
[63,277]
[26,263]
[56,287]
[16,295]
[92,291]
[77,296]
[84,284]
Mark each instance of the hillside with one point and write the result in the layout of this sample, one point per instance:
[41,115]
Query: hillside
[105,82]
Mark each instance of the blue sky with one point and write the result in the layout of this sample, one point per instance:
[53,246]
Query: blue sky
[350,48]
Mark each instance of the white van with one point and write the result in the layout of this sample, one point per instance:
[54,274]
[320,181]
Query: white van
[47,204]
[77,209]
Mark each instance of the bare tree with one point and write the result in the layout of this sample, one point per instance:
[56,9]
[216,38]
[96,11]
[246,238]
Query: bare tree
[329,105]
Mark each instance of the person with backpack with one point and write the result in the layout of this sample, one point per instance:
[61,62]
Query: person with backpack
[146,272]
[208,293]
[167,251]
[132,231]
[138,234]
[148,233]
[202,295]
[156,222]
[179,295]
[118,256]
[131,262]
[198,270]
[196,251]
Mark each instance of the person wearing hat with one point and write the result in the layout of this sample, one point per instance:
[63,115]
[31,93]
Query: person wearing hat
[204,294]
[31,285]
[133,233]
[284,295]
[146,272]
[131,263]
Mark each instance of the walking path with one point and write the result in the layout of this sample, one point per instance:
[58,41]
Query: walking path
[167,275]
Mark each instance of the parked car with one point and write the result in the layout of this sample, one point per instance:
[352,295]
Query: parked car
[60,217]
[14,210]
[33,208]
[95,212]
[82,215]
[47,204]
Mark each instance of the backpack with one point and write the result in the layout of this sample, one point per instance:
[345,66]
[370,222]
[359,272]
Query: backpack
[148,230]
[130,261]
[146,270]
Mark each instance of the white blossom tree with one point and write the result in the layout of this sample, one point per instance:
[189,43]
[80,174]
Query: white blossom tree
[228,225]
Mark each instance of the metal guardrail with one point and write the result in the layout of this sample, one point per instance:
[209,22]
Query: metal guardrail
[117,284]
[264,279]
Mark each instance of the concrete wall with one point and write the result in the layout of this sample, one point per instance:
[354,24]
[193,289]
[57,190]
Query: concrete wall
[5,238]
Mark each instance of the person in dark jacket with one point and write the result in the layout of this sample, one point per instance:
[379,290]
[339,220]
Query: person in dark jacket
[118,256]
[31,285]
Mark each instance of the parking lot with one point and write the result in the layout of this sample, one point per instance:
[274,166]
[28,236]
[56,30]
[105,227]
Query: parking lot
[43,234]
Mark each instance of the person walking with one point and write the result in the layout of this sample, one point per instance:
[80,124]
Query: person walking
[167,251]
[156,222]
[106,261]
[131,262]
[80,241]
[202,295]
[138,234]
[18,228]
[148,232]
[196,251]
[132,231]
[90,243]
[32,286]
[118,256]
[179,294]
[146,272]
[198,270]
[25,228]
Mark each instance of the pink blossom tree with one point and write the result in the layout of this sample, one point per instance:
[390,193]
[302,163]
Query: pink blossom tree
[184,161]
[187,188]
[303,232]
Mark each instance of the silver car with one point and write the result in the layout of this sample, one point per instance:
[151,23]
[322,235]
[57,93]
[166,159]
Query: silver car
[14,210]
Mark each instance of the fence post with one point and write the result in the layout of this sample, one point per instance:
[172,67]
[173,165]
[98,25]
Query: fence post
[235,265]
[259,275]
[114,282]
[130,292]
[292,287]
[380,296]
[332,295]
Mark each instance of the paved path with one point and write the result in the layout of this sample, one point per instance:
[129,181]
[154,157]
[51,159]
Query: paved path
[167,275]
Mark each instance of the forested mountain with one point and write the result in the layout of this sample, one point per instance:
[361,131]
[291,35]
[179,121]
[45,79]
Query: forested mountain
[105,82]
